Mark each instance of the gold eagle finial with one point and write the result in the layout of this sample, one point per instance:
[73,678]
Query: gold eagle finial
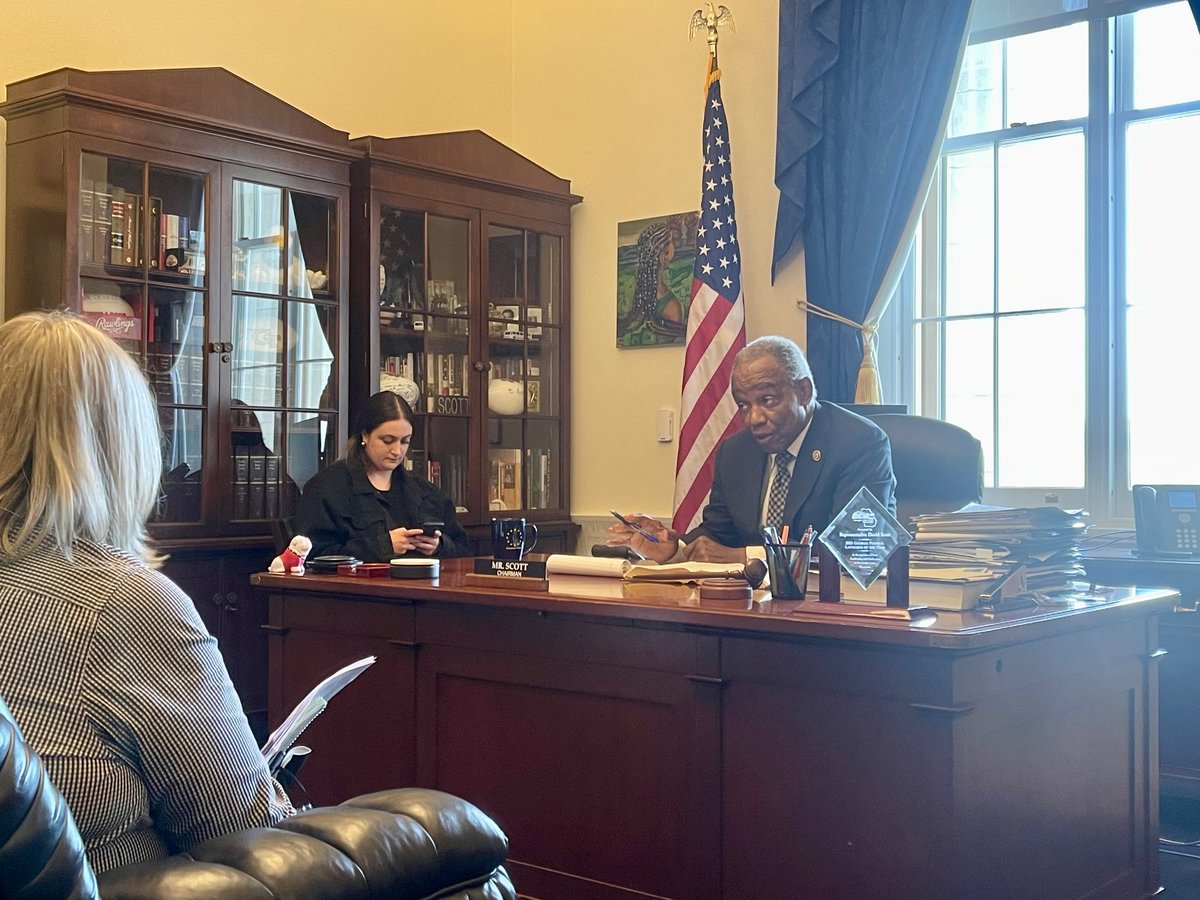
[714,19]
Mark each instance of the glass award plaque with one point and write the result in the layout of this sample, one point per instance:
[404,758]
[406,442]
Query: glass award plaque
[863,537]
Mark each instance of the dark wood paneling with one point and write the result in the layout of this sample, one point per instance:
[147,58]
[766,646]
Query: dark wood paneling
[635,746]
[364,741]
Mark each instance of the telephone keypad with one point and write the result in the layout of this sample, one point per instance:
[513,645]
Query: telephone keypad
[1187,539]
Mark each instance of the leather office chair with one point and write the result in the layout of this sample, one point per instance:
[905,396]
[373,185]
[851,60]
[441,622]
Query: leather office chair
[938,465]
[404,843]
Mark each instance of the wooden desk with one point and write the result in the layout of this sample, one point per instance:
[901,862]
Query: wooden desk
[633,742]
[1179,672]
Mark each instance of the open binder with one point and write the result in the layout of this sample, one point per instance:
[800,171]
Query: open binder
[275,750]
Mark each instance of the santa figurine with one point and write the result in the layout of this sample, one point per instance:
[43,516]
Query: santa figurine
[291,560]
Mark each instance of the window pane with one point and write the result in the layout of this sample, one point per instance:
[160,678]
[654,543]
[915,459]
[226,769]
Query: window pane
[1047,75]
[1161,274]
[1164,431]
[970,244]
[977,105]
[1042,227]
[1166,56]
[968,380]
[1042,400]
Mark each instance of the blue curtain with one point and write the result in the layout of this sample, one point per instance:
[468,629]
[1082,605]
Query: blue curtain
[862,87]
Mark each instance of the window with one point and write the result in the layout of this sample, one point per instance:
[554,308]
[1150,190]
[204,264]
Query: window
[1052,305]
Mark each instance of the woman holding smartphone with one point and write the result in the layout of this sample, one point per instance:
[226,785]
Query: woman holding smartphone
[367,505]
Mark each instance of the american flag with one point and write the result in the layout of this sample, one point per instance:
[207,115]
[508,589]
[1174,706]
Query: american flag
[716,328]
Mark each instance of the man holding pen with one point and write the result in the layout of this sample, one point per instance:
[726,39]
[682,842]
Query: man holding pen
[797,462]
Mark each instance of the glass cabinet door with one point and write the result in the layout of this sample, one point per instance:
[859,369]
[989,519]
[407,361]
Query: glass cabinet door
[143,281]
[524,347]
[282,423]
[425,312]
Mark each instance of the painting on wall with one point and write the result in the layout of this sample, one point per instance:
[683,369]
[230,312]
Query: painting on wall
[655,258]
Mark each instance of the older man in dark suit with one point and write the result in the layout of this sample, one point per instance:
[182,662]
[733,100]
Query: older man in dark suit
[797,462]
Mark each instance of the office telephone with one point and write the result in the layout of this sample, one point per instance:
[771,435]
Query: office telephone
[1167,518]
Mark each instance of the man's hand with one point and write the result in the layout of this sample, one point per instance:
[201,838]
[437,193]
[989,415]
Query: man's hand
[662,550]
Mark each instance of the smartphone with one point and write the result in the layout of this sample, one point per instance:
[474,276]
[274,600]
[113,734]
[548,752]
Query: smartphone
[429,529]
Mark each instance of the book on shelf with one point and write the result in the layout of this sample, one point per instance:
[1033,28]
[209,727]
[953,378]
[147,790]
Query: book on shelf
[87,220]
[241,482]
[271,486]
[155,224]
[116,250]
[102,223]
[257,484]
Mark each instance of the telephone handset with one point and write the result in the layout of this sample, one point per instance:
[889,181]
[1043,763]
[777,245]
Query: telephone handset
[1167,518]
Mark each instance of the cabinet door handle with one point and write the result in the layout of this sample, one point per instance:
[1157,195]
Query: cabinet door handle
[231,601]
[276,629]
[481,366]
[217,599]
[412,645]
[705,679]
[1156,655]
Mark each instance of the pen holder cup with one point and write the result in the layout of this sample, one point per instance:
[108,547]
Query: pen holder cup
[787,567]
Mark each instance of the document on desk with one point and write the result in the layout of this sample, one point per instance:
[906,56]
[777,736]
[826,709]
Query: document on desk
[565,564]
[309,708]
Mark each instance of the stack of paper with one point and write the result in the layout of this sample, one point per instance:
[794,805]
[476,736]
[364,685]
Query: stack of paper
[1045,540]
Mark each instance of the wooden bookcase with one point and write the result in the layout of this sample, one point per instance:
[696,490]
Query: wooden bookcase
[203,224]
[460,270]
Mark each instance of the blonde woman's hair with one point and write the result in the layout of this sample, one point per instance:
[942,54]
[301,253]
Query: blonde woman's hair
[80,448]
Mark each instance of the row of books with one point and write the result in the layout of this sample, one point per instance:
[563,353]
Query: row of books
[111,222]
[258,488]
[450,474]
[176,378]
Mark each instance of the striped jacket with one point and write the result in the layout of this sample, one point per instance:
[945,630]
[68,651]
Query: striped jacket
[120,689]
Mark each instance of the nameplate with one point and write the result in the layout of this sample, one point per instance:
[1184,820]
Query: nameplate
[510,568]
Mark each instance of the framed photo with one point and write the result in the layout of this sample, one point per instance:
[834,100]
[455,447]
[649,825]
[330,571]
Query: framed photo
[533,396]
[534,316]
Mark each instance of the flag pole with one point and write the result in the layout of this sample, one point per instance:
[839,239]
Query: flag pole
[716,325]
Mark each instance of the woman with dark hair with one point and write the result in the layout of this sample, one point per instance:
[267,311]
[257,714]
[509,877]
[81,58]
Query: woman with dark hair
[367,505]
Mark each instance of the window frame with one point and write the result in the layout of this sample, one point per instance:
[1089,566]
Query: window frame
[903,357]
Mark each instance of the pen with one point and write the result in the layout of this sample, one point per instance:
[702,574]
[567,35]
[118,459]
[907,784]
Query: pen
[638,528]
[807,538]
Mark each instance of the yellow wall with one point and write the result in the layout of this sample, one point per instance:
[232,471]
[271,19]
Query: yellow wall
[607,95]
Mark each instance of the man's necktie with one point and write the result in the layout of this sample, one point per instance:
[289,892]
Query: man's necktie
[779,489]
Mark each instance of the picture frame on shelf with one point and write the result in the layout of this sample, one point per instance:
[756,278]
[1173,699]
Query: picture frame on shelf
[533,315]
[533,396]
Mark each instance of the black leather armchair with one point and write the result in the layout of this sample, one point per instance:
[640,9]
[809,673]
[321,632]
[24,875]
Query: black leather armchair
[406,843]
[938,465]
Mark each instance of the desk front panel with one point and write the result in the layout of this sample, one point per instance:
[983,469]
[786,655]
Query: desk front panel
[649,748]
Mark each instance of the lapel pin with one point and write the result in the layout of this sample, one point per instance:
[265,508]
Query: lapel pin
[816,456]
